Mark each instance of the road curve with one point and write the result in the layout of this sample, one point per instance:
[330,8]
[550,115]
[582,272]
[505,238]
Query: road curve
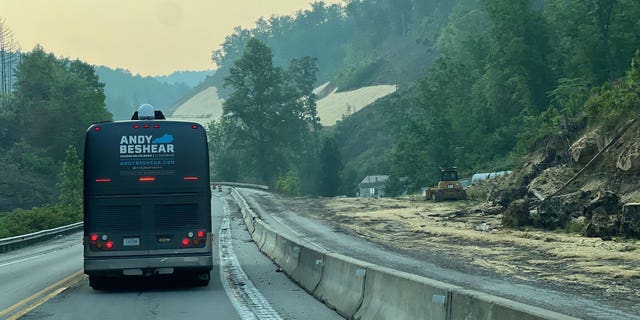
[321,235]
[55,265]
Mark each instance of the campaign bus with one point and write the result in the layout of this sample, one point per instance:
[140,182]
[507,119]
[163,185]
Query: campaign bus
[147,200]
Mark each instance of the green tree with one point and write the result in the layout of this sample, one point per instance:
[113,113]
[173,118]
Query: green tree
[70,185]
[56,100]
[269,111]
[330,167]
[289,184]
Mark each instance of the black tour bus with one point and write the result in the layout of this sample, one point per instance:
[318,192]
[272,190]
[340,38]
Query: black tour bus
[147,200]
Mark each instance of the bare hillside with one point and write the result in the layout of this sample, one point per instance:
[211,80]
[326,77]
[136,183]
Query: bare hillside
[332,106]
[202,108]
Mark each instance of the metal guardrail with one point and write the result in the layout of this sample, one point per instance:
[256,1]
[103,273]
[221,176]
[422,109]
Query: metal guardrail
[12,243]
[241,185]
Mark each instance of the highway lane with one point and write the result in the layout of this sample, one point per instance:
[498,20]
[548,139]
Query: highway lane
[27,271]
[263,293]
[321,235]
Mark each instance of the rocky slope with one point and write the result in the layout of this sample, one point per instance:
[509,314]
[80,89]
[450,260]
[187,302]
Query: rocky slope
[589,183]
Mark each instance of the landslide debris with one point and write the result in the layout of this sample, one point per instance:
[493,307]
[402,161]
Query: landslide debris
[580,186]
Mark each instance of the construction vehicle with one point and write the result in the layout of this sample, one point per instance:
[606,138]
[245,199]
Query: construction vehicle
[449,187]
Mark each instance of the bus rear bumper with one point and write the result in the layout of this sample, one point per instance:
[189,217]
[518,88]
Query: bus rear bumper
[148,265]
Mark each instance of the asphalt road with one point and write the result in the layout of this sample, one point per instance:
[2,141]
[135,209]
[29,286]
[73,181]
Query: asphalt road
[320,234]
[45,282]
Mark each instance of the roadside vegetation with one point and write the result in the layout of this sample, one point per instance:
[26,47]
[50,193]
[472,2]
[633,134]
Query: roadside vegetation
[480,80]
[43,117]
[484,85]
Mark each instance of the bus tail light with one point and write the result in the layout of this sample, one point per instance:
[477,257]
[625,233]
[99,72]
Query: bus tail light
[185,242]
[97,128]
[109,245]
[201,234]
[94,237]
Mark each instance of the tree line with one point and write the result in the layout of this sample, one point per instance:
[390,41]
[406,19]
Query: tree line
[269,132]
[510,73]
[493,76]
[42,124]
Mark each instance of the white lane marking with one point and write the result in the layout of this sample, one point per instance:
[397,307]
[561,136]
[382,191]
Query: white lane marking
[31,258]
[245,297]
[19,261]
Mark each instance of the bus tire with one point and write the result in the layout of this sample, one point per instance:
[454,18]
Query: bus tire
[201,279]
[97,282]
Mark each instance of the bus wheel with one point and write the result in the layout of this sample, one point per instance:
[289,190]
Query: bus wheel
[201,279]
[97,283]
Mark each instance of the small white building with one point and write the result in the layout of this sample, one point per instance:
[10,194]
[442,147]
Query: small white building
[373,186]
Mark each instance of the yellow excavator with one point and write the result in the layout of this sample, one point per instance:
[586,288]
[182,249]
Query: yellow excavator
[449,187]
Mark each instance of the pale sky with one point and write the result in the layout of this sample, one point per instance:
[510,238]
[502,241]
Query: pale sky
[150,37]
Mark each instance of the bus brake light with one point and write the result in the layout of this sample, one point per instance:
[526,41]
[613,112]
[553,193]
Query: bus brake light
[94,237]
[103,180]
[201,234]
[185,242]
[147,179]
[190,178]
[109,245]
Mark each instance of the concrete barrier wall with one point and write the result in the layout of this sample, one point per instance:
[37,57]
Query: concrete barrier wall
[286,254]
[391,294]
[309,270]
[269,243]
[361,290]
[247,214]
[470,304]
[342,283]
[248,221]
[258,235]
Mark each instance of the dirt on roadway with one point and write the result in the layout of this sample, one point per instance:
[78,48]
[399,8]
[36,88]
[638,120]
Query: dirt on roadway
[470,234]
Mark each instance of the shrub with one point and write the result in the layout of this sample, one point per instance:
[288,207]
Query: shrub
[289,185]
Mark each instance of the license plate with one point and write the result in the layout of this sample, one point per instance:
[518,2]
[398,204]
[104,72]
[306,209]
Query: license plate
[449,186]
[131,242]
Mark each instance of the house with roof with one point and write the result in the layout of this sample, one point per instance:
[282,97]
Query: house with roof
[373,186]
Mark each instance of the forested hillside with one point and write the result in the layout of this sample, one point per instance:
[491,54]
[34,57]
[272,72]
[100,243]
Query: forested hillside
[42,125]
[190,78]
[356,43]
[509,73]
[125,91]
[481,80]
[481,83]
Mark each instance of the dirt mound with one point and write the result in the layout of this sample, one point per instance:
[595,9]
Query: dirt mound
[583,187]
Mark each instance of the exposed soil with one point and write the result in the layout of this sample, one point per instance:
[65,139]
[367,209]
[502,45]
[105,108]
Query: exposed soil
[470,233]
